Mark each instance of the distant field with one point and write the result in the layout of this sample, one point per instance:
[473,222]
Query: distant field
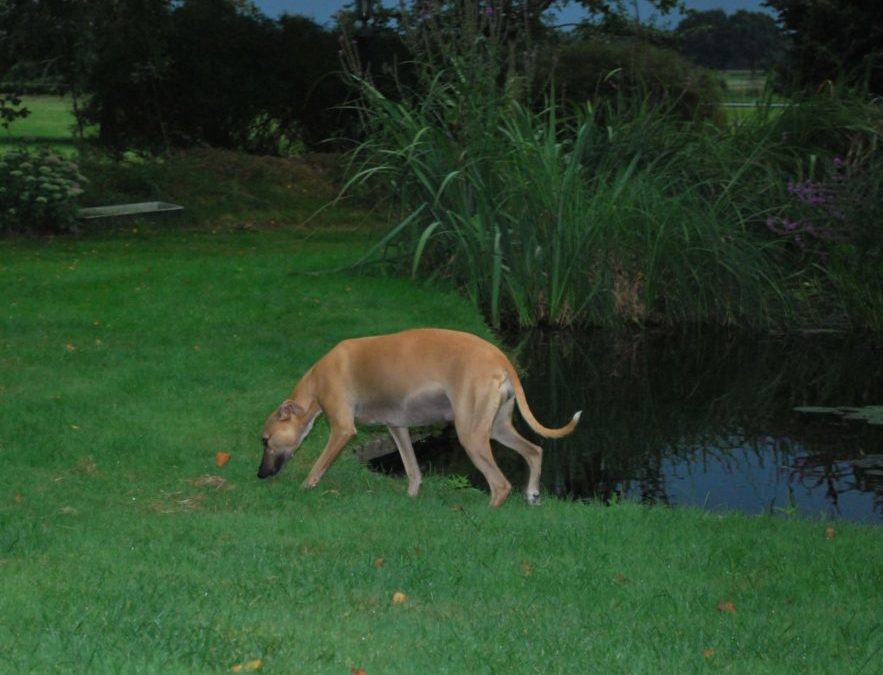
[744,90]
[51,122]
[743,86]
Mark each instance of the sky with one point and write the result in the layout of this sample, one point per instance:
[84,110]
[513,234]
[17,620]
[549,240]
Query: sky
[322,10]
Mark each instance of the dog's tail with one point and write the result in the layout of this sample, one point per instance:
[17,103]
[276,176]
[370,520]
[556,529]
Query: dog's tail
[526,413]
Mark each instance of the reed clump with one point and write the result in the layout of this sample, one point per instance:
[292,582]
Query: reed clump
[615,211]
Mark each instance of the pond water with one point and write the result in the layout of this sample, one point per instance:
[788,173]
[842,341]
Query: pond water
[718,422]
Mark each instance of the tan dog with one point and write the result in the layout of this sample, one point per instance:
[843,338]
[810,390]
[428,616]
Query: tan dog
[406,379]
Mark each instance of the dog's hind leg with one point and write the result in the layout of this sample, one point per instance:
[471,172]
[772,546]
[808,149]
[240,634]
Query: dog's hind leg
[478,447]
[473,419]
[505,433]
[403,442]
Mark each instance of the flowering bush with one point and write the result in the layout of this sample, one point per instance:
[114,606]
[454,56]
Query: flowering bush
[38,192]
[833,224]
[829,212]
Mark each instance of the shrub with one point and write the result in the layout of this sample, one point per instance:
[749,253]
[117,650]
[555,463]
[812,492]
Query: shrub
[38,192]
[613,72]
[212,72]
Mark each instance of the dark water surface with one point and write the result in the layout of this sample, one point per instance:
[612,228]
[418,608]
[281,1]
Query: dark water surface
[708,422]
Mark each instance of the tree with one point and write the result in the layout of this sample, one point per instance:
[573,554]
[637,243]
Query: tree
[756,41]
[126,49]
[834,39]
[742,40]
[705,38]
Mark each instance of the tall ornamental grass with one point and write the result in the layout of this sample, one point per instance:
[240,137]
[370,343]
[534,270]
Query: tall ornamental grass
[621,209]
[544,219]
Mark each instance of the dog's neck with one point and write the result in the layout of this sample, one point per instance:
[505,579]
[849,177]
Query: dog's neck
[304,395]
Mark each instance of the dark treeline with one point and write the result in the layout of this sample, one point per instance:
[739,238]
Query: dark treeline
[155,73]
[164,73]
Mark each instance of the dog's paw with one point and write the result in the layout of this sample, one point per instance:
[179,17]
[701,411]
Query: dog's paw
[533,498]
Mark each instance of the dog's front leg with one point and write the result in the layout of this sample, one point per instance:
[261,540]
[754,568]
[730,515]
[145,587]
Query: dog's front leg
[340,434]
[403,442]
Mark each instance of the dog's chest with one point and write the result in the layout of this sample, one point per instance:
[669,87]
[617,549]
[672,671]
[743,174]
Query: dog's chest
[423,406]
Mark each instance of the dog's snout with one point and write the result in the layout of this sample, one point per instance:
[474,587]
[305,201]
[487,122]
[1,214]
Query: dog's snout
[271,466]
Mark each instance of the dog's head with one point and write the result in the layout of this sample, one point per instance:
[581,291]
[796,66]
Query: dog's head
[284,431]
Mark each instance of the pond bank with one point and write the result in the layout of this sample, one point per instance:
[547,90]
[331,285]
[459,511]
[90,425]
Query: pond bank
[716,421]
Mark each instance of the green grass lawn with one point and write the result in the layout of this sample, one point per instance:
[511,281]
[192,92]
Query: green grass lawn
[132,354]
[127,360]
[744,87]
[51,123]
[743,83]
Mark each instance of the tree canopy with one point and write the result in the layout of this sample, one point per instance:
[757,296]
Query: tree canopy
[159,73]
[833,40]
[744,40]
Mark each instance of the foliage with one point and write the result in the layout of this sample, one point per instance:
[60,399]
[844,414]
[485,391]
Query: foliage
[38,192]
[621,7]
[619,71]
[11,109]
[160,74]
[831,200]
[544,220]
[618,212]
[833,41]
[743,40]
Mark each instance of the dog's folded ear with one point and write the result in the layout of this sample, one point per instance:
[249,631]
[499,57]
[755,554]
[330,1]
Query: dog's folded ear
[287,409]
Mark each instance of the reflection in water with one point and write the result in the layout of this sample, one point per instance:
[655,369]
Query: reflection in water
[707,422]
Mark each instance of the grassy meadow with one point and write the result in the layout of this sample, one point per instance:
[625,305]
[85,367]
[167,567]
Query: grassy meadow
[51,123]
[133,353]
[130,359]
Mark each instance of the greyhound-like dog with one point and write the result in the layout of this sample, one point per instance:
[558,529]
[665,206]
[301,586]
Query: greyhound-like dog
[406,379]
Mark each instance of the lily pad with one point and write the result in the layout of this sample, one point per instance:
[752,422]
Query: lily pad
[872,414]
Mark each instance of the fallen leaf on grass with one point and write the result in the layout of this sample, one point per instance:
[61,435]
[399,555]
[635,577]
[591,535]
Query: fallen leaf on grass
[70,347]
[380,562]
[18,498]
[399,598]
[726,606]
[221,458]
[708,653]
[526,568]
[358,671]
[830,533]
[246,667]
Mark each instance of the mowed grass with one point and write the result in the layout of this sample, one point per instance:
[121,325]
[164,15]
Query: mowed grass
[743,85]
[127,360]
[50,122]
